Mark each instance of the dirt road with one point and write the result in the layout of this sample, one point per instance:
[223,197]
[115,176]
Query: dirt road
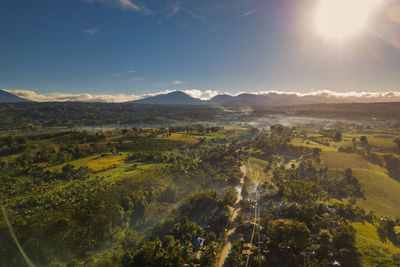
[230,234]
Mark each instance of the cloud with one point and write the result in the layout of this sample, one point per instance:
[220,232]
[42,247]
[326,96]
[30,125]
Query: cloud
[172,11]
[129,4]
[124,73]
[91,31]
[62,97]
[177,82]
[193,15]
[124,4]
[203,95]
[176,8]
[182,26]
[249,13]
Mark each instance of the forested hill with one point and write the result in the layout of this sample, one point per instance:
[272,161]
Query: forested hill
[387,110]
[77,114]
[25,116]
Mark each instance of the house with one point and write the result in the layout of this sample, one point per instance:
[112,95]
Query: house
[332,210]
[198,242]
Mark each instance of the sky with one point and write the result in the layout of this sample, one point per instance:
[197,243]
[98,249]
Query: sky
[139,47]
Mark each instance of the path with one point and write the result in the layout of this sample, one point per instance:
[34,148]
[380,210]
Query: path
[230,234]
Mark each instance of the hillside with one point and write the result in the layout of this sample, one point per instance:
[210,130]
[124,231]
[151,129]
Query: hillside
[6,97]
[174,98]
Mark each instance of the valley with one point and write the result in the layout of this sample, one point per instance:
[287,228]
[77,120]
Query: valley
[115,197]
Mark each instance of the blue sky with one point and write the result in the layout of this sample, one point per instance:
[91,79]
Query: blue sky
[144,46]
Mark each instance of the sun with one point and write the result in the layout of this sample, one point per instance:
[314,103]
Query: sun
[338,19]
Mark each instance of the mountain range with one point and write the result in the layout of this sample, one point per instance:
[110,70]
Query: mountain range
[269,99]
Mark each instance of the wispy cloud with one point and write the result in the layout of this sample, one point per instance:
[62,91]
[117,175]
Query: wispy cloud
[124,4]
[129,4]
[177,82]
[182,26]
[91,31]
[249,13]
[172,11]
[176,7]
[124,73]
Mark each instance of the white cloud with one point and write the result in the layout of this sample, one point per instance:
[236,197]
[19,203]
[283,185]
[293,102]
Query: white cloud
[62,97]
[203,95]
[91,31]
[249,13]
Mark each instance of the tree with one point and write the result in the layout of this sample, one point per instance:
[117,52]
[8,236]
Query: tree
[397,141]
[325,244]
[393,165]
[209,254]
[230,197]
[293,234]
[337,137]
[345,238]
[364,140]
[236,258]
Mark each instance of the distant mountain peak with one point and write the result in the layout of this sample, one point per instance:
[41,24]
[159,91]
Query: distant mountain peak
[172,98]
[6,97]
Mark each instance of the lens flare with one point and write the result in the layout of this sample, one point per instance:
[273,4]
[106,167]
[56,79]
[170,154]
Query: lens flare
[338,19]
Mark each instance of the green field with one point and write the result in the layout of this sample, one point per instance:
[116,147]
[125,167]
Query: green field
[98,162]
[375,252]
[380,191]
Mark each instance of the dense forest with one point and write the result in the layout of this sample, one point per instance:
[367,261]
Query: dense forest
[28,116]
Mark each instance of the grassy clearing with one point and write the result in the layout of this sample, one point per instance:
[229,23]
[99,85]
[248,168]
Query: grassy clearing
[375,252]
[256,169]
[334,159]
[381,193]
[96,163]
[124,171]
[311,144]
[180,137]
